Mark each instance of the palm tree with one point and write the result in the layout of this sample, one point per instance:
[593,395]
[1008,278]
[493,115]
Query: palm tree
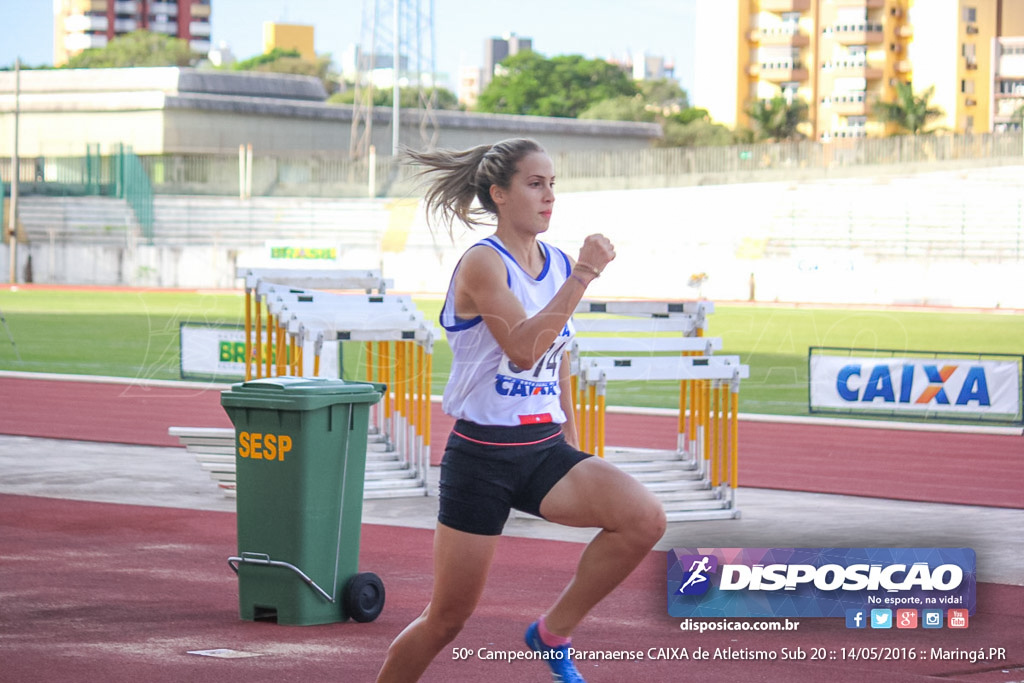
[911,113]
[777,119]
[1018,116]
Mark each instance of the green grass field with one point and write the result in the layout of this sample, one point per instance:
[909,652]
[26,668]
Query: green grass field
[135,334]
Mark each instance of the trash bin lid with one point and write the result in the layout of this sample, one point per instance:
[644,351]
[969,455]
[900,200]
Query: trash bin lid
[299,393]
[305,385]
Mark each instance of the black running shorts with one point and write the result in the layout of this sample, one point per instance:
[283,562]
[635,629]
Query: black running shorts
[487,471]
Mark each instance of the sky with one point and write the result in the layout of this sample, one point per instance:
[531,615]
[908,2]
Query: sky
[592,28]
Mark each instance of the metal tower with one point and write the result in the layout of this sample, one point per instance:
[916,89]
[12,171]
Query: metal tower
[396,50]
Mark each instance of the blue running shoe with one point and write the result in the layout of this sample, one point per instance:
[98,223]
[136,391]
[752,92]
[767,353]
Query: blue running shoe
[562,668]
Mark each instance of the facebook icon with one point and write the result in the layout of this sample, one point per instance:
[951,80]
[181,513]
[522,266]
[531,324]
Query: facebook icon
[856,618]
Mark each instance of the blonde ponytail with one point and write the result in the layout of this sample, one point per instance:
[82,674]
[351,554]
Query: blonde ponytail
[456,178]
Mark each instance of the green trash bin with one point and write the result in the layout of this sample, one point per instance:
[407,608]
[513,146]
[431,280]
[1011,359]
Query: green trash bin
[300,455]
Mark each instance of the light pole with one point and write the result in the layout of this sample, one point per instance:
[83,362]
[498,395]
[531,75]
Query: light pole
[13,225]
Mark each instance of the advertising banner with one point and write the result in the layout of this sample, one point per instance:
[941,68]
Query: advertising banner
[218,352]
[932,387]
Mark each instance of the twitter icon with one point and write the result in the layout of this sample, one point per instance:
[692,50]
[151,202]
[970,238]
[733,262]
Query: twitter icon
[881,618]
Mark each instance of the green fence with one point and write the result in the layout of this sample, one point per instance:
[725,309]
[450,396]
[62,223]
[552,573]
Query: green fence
[120,174]
[133,185]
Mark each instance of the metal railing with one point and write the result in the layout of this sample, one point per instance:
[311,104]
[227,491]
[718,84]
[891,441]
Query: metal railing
[338,176]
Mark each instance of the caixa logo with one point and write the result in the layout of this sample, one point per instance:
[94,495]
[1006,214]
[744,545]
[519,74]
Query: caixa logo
[913,383]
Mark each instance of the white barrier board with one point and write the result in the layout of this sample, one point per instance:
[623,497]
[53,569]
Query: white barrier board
[218,352]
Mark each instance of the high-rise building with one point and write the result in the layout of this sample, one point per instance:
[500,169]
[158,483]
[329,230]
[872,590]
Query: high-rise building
[298,37]
[469,88]
[82,24]
[1008,88]
[644,67]
[497,49]
[842,56]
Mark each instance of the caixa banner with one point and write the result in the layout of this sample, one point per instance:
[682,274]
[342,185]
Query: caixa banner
[935,386]
[817,582]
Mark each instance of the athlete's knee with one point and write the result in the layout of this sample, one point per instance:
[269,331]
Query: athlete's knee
[642,520]
[650,522]
[445,624]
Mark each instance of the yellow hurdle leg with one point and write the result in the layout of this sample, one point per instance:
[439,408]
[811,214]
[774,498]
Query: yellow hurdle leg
[429,372]
[581,426]
[399,378]
[281,345]
[713,433]
[574,383]
[386,379]
[723,440]
[248,334]
[734,473]
[292,357]
[600,420]
[421,385]
[368,350]
[410,396]
[257,356]
[706,417]
[592,420]
[682,413]
[270,342]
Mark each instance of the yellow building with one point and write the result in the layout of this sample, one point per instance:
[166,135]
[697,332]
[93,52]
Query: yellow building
[289,37]
[841,56]
[82,24]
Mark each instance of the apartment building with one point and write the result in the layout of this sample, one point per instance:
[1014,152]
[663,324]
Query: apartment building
[82,24]
[841,56]
[298,37]
[1008,85]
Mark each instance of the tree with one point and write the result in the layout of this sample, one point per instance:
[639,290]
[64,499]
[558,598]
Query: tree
[266,59]
[138,48]
[622,108]
[655,101]
[778,118]
[665,94]
[564,86]
[408,98]
[290,62]
[693,127]
[911,113]
[1018,116]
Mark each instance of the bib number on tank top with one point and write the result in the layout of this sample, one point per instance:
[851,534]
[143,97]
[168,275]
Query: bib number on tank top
[539,380]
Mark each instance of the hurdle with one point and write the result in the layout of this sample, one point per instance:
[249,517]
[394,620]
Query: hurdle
[398,354]
[267,359]
[698,479]
[286,314]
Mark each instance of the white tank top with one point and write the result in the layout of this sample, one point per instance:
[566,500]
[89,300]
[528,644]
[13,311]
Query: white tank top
[485,387]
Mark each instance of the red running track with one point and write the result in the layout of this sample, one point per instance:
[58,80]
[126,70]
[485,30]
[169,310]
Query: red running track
[123,593]
[961,468]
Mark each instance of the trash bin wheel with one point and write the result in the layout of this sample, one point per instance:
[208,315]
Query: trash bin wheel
[363,597]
